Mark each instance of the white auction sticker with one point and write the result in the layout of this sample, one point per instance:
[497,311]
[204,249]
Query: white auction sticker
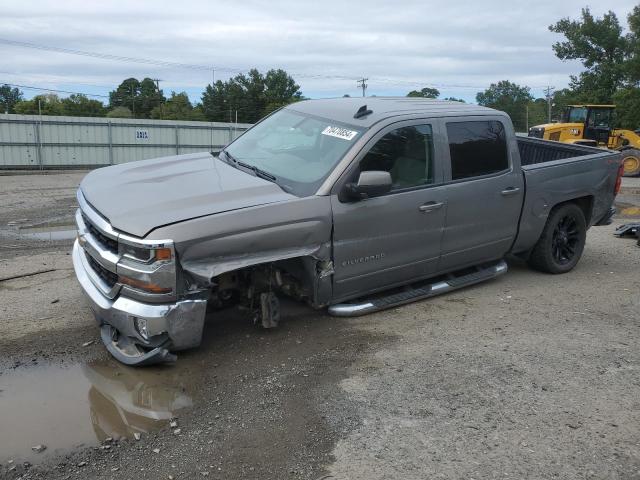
[338,132]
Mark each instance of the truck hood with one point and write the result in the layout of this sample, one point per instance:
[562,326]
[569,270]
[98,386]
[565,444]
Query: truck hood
[139,197]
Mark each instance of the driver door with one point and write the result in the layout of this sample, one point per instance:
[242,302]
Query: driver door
[393,238]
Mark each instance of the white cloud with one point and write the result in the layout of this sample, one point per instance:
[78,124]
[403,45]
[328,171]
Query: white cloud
[400,46]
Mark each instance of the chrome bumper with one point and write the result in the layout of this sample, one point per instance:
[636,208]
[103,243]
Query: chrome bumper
[172,326]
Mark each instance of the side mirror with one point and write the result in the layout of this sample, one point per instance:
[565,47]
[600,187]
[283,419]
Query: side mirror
[370,184]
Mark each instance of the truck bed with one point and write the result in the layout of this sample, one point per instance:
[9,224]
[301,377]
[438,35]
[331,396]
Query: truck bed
[534,151]
[557,172]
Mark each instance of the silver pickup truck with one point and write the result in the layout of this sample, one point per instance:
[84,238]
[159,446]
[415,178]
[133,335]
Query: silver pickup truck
[338,204]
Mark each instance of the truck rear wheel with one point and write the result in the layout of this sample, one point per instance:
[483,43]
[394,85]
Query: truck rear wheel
[562,241]
[631,162]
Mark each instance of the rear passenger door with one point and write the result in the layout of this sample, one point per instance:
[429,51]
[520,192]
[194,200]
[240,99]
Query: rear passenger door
[484,192]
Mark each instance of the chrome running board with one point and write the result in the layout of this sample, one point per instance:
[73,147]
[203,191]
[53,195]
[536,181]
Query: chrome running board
[419,292]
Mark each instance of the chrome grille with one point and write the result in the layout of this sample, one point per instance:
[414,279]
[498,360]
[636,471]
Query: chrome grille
[108,243]
[105,275]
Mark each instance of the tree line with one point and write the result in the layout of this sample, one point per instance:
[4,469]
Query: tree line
[245,98]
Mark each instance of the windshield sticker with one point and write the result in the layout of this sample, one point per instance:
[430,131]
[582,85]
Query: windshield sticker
[338,132]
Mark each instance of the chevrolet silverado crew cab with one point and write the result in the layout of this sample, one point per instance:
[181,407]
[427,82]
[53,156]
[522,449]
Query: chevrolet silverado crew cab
[344,206]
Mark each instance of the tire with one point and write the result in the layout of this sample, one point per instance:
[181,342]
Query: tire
[561,243]
[631,162]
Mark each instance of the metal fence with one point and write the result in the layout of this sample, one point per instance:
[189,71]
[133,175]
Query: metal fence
[44,142]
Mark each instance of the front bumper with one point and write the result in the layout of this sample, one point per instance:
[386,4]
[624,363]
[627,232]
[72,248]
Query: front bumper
[169,327]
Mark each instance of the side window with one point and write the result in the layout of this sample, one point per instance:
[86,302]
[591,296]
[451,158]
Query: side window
[477,148]
[406,153]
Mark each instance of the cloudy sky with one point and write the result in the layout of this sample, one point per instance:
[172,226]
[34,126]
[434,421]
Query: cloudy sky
[457,47]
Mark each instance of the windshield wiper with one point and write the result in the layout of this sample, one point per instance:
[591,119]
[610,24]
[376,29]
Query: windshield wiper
[229,156]
[259,173]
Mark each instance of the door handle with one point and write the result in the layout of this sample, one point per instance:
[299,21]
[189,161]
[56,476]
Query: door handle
[509,191]
[430,207]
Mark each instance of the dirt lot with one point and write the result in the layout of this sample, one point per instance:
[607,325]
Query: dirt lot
[528,376]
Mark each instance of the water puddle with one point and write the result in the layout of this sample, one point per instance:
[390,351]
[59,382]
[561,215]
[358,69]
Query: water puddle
[69,407]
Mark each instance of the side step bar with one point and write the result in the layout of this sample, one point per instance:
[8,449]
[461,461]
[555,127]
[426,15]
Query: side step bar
[382,302]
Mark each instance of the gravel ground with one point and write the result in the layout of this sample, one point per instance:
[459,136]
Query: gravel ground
[527,376]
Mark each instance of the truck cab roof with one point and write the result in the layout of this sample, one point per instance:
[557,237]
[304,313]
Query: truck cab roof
[343,109]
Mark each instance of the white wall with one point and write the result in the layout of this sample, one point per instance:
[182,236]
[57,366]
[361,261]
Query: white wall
[31,141]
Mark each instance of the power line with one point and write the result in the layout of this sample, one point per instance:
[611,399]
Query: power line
[166,63]
[107,56]
[29,87]
[52,78]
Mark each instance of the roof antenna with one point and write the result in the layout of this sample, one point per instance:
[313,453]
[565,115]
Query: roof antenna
[363,111]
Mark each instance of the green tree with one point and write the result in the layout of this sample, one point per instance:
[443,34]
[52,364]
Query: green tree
[47,104]
[510,98]
[537,112]
[79,105]
[177,107]
[8,98]
[198,113]
[632,67]
[252,96]
[141,97]
[280,89]
[602,48]
[454,99]
[119,112]
[425,93]
[627,101]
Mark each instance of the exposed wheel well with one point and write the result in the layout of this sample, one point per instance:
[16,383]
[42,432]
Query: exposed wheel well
[296,277]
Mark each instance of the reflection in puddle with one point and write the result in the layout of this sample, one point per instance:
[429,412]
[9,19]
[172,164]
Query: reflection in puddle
[68,407]
[129,403]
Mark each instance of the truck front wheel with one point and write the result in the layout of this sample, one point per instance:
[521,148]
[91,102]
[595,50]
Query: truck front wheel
[562,241]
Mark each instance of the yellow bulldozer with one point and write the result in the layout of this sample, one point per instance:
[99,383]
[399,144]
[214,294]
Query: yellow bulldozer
[592,125]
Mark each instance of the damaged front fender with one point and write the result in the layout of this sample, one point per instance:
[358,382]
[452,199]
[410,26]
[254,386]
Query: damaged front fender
[213,245]
[204,270]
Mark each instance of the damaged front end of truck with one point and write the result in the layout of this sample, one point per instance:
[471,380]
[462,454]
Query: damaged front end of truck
[131,285]
[150,297]
[162,242]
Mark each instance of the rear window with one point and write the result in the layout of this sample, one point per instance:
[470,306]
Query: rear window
[477,148]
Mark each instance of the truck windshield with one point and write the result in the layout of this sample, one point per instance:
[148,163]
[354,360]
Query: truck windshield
[298,150]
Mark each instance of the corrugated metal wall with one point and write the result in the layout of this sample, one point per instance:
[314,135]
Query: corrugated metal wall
[31,141]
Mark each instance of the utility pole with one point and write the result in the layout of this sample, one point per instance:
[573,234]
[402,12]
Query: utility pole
[362,84]
[548,92]
[157,80]
[133,102]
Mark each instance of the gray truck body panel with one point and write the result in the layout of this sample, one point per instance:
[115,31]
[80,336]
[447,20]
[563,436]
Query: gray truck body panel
[140,196]
[220,219]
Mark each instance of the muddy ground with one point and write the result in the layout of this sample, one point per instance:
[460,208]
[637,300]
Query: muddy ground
[528,376]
